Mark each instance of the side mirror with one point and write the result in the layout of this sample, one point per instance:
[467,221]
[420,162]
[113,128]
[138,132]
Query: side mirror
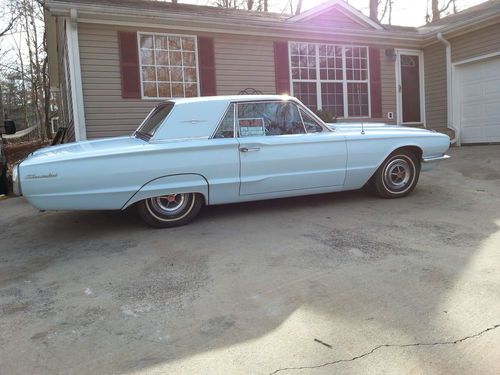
[9,126]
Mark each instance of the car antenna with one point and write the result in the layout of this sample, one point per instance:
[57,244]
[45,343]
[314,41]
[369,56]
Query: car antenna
[359,105]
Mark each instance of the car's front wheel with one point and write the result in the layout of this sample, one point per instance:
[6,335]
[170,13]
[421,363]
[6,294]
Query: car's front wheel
[170,210]
[398,175]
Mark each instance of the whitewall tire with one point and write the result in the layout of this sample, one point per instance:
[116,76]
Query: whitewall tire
[398,175]
[171,210]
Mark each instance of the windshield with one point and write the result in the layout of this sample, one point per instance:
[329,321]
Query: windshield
[155,119]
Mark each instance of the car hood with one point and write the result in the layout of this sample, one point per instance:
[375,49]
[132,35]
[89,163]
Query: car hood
[87,148]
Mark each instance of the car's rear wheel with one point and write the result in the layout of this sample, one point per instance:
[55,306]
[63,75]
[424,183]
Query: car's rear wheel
[170,210]
[398,175]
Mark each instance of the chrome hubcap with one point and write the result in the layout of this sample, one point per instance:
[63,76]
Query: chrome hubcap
[169,204]
[397,174]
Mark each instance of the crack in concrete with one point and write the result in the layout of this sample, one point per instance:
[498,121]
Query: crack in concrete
[388,346]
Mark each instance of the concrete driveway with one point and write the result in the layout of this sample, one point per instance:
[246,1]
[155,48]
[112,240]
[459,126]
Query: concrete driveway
[337,283]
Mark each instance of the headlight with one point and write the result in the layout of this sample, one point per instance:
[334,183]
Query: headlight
[16,183]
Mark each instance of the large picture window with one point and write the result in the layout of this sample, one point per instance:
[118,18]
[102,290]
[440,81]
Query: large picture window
[332,78]
[169,65]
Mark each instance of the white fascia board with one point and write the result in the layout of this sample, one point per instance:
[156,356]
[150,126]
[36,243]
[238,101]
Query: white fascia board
[51,41]
[75,75]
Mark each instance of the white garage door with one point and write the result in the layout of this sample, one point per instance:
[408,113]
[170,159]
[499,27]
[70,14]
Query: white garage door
[479,99]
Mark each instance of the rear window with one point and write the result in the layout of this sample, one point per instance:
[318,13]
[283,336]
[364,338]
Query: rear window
[155,119]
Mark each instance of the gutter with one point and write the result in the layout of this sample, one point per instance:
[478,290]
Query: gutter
[449,92]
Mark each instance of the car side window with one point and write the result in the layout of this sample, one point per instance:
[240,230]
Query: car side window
[268,118]
[311,125]
[226,126]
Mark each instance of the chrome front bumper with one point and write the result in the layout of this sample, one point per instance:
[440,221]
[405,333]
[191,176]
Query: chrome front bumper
[432,161]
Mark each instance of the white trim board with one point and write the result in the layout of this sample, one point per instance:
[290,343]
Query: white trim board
[75,76]
[477,58]
[379,38]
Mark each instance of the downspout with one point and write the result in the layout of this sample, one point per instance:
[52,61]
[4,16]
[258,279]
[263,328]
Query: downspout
[449,91]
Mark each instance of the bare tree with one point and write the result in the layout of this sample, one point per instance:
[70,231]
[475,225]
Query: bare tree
[7,15]
[21,77]
[265,5]
[381,16]
[2,110]
[258,5]
[224,3]
[449,6]
[27,73]
[299,7]
[8,27]
[387,12]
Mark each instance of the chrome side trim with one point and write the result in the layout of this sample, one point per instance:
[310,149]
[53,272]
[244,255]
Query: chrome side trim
[435,158]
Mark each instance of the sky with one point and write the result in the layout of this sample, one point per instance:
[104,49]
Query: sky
[405,12]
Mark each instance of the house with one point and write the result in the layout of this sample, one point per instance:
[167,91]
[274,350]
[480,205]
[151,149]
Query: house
[113,60]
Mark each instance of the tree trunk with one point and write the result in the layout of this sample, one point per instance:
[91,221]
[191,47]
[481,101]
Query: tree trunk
[39,86]
[436,13]
[374,10]
[299,7]
[46,88]
[390,12]
[2,111]
[46,99]
[33,88]
[23,82]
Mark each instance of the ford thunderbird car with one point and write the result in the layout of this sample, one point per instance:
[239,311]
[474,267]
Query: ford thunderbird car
[214,150]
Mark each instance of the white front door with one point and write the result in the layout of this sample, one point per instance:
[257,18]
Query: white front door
[478,101]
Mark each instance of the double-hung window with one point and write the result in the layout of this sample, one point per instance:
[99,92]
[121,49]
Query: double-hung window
[169,65]
[331,77]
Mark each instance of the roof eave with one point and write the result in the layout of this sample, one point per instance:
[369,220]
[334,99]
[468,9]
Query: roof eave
[457,29]
[121,16]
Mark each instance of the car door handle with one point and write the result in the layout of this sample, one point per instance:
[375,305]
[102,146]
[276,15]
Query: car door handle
[249,149]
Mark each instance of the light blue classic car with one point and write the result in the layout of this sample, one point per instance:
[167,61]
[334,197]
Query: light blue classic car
[214,150]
